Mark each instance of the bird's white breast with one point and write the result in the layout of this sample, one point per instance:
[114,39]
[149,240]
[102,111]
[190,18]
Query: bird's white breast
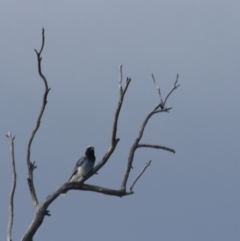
[82,171]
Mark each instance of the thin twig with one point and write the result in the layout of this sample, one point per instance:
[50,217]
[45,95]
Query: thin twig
[175,86]
[144,169]
[159,91]
[156,147]
[12,192]
[120,78]
[31,165]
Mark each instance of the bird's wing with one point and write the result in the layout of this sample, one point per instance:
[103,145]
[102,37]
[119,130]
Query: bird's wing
[78,164]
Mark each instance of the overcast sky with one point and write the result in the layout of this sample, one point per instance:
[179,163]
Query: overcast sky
[191,195]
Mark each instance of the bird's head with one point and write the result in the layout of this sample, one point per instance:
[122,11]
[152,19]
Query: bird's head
[90,151]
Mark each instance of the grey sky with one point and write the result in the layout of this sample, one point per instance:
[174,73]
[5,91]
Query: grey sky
[192,195]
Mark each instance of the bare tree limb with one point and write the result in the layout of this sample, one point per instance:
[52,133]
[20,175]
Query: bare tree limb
[120,78]
[31,165]
[135,146]
[158,109]
[156,147]
[175,86]
[42,211]
[41,208]
[121,97]
[103,190]
[144,169]
[12,192]
[114,140]
[159,91]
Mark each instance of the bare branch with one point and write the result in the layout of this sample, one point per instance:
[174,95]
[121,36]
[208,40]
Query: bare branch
[120,78]
[135,146]
[156,147]
[31,165]
[42,211]
[175,86]
[158,109]
[121,97]
[12,192]
[159,91]
[144,169]
[103,190]
[114,140]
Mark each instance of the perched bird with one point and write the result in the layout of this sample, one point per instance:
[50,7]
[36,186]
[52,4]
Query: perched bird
[83,166]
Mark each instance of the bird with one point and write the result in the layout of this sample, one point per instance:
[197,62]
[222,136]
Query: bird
[83,166]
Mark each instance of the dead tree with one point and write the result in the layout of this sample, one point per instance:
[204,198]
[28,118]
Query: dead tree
[41,208]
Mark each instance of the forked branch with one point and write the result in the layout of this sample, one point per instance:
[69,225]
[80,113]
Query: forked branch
[161,107]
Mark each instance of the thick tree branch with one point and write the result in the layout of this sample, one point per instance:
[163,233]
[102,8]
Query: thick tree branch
[12,192]
[41,210]
[31,165]
[103,190]
[112,192]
